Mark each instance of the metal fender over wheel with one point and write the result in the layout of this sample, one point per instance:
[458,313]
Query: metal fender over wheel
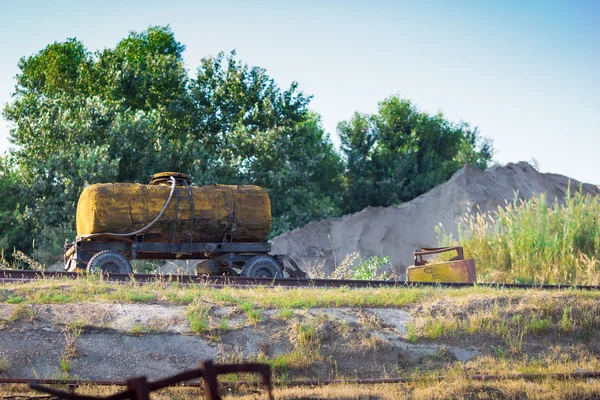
[109,261]
[262,267]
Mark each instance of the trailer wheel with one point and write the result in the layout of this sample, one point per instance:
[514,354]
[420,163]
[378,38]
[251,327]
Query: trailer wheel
[109,261]
[262,267]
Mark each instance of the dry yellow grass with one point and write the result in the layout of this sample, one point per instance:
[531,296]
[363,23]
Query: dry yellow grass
[457,389]
[455,385]
[511,316]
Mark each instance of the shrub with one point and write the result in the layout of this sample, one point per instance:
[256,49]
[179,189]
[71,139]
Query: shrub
[354,267]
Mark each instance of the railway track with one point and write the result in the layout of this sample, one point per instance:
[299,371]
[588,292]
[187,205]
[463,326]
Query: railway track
[223,281]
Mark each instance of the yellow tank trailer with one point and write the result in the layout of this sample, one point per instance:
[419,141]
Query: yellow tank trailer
[170,219]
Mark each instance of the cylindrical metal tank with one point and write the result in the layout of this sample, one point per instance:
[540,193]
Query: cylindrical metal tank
[244,212]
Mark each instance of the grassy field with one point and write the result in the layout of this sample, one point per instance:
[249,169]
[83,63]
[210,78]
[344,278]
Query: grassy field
[504,316]
[527,241]
[94,288]
[451,382]
[455,387]
[508,327]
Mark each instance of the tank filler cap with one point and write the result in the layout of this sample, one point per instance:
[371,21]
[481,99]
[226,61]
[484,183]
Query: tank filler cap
[163,178]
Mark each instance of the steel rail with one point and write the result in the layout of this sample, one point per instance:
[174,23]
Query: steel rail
[222,281]
[317,382]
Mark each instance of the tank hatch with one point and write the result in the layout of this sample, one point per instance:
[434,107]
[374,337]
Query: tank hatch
[163,178]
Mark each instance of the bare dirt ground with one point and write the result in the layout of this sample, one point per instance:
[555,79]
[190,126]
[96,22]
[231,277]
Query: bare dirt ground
[123,340]
[102,340]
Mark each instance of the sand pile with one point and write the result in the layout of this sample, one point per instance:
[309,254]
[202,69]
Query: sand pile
[396,231]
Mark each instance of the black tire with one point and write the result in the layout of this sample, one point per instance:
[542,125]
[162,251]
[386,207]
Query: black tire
[262,267]
[109,261]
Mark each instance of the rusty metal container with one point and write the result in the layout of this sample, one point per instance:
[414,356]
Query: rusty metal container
[457,269]
[198,214]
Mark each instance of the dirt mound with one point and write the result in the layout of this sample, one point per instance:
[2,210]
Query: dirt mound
[396,231]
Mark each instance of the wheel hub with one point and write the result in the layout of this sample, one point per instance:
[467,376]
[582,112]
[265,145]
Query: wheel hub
[264,273]
[112,268]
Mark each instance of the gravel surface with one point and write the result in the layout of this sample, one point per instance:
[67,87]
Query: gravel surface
[111,355]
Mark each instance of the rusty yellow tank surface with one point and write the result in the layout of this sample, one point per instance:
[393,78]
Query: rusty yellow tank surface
[452,271]
[457,269]
[244,212]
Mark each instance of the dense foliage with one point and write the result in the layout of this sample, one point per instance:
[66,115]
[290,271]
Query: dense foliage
[401,153]
[124,113]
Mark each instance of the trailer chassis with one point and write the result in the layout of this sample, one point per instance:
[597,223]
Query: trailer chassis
[221,258]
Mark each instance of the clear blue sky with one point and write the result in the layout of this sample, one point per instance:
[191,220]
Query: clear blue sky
[526,72]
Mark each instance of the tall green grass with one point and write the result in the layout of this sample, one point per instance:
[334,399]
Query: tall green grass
[529,241]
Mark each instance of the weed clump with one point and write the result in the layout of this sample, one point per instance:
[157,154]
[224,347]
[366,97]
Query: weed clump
[354,267]
[197,314]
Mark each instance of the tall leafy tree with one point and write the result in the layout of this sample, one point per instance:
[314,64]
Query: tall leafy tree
[124,113]
[14,221]
[263,135]
[401,152]
[98,117]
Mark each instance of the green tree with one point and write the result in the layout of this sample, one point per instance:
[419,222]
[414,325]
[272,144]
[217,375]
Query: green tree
[116,115]
[125,113]
[401,152]
[129,99]
[260,134]
[302,172]
[14,222]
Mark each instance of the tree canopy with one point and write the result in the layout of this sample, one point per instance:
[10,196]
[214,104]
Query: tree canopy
[124,113]
[400,153]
